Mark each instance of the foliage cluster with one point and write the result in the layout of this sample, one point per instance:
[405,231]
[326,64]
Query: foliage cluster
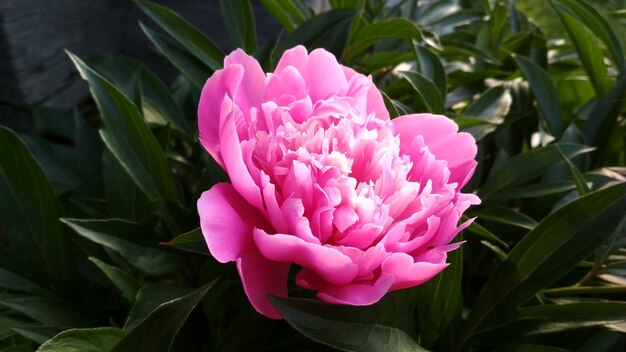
[102,251]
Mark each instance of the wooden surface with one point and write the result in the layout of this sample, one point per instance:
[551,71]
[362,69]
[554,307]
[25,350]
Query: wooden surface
[34,69]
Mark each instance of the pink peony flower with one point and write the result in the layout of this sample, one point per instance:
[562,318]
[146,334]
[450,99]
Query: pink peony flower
[322,178]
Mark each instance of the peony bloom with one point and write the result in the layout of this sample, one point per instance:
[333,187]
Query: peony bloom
[321,177]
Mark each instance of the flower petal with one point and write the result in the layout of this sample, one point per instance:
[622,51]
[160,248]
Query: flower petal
[332,265]
[408,273]
[441,136]
[227,221]
[261,277]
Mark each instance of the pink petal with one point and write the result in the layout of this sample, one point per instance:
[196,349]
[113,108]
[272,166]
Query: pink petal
[408,273]
[227,221]
[232,157]
[261,277]
[249,90]
[441,136]
[332,265]
[357,294]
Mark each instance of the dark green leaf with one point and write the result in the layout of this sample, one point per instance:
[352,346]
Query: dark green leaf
[83,340]
[545,93]
[529,165]
[192,241]
[440,301]
[124,282]
[586,14]
[195,71]
[49,311]
[12,281]
[157,104]
[603,115]
[129,139]
[157,331]
[290,13]
[149,297]
[427,91]
[29,210]
[553,318]
[185,33]
[37,333]
[123,237]
[239,21]
[398,28]
[507,216]
[431,67]
[125,200]
[548,252]
[339,326]
[328,30]
[588,51]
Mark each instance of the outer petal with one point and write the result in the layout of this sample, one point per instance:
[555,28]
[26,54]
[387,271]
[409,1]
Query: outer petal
[260,277]
[243,80]
[227,221]
[443,140]
[232,157]
[408,273]
[357,294]
[332,265]
[321,71]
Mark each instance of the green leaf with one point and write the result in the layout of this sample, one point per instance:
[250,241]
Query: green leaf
[328,30]
[396,28]
[83,340]
[129,139]
[589,52]
[339,326]
[525,167]
[431,67]
[195,71]
[553,318]
[12,281]
[37,333]
[577,176]
[545,93]
[239,20]
[548,252]
[29,211]
[149,297]
[192,241]
[122,237]
[507,216]
[157,331]
[603,115]
[186,34]
[124,198]
[440,301]
[426,90]
[492,106]
[157,104]
[587,15]
[124,282]
[49,311]
[290,13]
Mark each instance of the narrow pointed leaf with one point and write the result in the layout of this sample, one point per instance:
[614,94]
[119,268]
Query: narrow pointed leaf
[29,211]
[548,252]
[125,237]
[192,241]
[430,66]
[187,64]
[83,340]
[157,331]
[545,93]
[128,137]
[124,282]
[239,20]
[427,91]
[338,326]
[186,34]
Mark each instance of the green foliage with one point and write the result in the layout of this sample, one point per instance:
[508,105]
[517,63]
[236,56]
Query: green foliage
[100,248]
